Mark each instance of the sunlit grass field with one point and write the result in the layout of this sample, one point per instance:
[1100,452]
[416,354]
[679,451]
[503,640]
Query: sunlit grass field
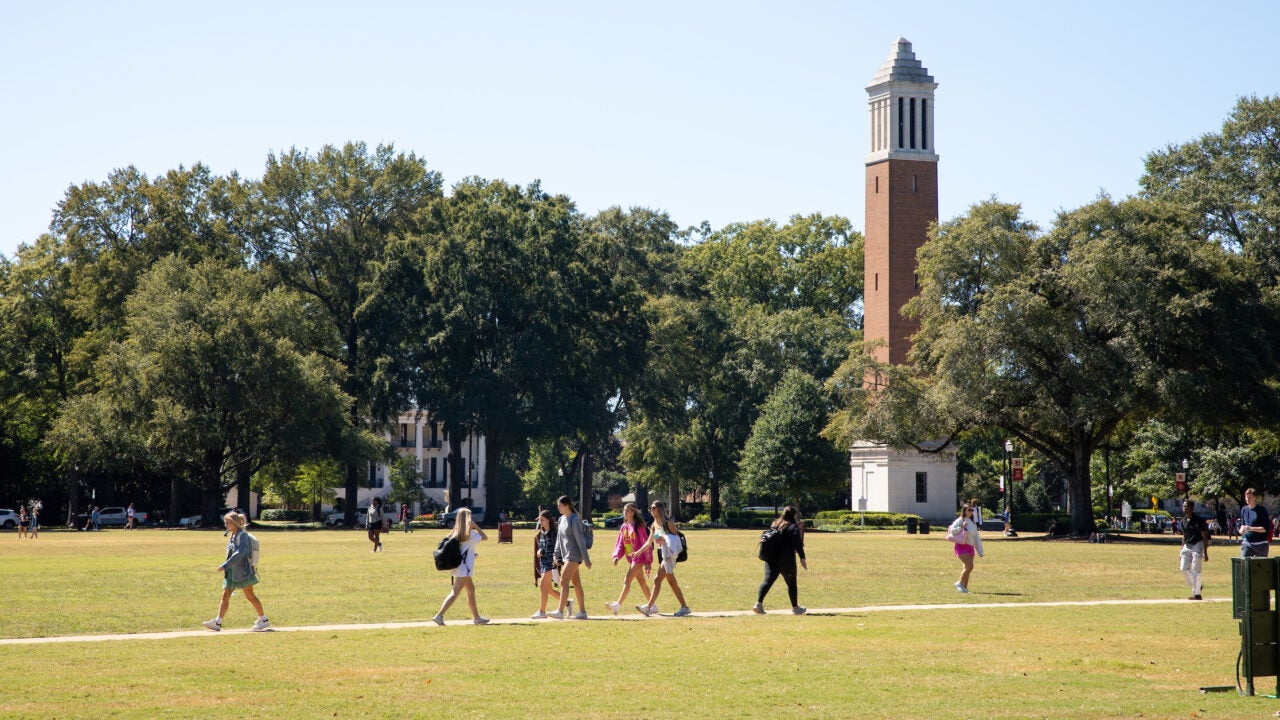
[1070,662]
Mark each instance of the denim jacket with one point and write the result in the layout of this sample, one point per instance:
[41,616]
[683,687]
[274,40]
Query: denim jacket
[239,552]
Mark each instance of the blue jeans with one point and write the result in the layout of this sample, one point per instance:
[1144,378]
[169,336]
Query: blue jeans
[1248,549]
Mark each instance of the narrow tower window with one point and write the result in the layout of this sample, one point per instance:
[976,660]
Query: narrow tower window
[901,120]
[924,124]
[877,184]
[915,183]
[877,282]
[913,123]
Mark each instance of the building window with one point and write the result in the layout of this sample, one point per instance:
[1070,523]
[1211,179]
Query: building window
[924,124]
[433,474]
[901,120]
[913,123]
[877,282]
[922,487]
[877,184]
[915,183]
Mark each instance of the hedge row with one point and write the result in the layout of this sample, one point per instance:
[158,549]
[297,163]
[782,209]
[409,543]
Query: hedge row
[299,516]
[851,518]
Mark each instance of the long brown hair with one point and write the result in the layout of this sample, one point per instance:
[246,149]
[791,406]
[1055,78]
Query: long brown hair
[636,520]
[788,516]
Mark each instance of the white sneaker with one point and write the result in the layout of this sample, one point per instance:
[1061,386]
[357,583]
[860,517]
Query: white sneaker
[613,606]
[797,610]
[481,621]
[683,612]
[645,610]
[213,625]
[261,624]
[582,615]
[538,615]
[438,619]
[555,615]
[960,587]
[757,609]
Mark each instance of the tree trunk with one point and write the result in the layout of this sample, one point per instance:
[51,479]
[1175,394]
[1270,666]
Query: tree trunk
[584,487]
[715,498]
[73,496]
[457,469]
[350,495]
[243,500]
[1079,493]
[175,511]
[673,501]
[492,490]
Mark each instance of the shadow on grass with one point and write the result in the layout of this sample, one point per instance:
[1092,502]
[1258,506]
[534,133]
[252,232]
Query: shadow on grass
[998,594]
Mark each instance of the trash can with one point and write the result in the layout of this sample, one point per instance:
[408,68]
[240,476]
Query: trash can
[911,525]
[924,526]
[504,532]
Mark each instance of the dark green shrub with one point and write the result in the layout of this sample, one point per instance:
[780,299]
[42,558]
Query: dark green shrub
[299,516]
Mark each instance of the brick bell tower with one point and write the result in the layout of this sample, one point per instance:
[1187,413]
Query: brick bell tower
[902,196]
[902,200]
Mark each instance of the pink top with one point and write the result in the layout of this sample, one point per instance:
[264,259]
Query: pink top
[628,540]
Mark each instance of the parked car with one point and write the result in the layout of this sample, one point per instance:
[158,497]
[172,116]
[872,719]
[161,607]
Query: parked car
[117,516]
[8,519]
[449,518]
[616,521]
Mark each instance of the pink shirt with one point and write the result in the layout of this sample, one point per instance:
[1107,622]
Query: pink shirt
[628,540]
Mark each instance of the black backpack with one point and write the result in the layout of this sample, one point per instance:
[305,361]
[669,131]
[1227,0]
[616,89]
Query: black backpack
[770,544]
[448,553]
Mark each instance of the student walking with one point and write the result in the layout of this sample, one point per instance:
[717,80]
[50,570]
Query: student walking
[632,535]
[665,537]
[23,522]
[238,573]
[1195,547]
[470,536]
[405,516]
[571,554]
[544,562]
[968,541]
[35,520]
[1255,527]
[373,523]
[780,559]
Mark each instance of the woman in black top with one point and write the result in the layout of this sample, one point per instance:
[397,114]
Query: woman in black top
[783,560]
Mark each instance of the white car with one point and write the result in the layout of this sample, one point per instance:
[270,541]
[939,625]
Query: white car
[8,519]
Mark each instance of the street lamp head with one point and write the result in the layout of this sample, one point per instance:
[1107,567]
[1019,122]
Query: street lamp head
[1008,446]
[1185,464]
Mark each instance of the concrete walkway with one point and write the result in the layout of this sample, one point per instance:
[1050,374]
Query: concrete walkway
[634,617]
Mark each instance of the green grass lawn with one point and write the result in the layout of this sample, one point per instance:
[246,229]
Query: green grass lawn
[1068,662]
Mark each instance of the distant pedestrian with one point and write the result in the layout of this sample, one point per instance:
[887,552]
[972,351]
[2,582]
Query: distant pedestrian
[967,537]
[470,536]
[129,519]
[24,522]
[571,554]
[1255,527]
[238,573]
[35,520]
[782,561]
[1195,547]
[664,536]
[405,516]
[546,574]
[373,523]
[631,535]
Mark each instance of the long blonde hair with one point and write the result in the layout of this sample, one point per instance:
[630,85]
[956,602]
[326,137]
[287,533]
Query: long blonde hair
[462,525]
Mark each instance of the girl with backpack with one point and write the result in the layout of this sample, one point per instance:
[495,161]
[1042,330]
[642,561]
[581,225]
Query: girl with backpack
[238,573]
[373,523]
[544,552]
[666,538]
[571,554]
[781,559]
[632,535]
[470,536]
[964,533]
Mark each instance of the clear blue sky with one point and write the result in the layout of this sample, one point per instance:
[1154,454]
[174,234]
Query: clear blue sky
[717,111]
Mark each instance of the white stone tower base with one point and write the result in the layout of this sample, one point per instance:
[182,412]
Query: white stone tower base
[904,481]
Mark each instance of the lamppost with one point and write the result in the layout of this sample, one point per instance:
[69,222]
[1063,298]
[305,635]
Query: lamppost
[1186,473]
[1008,496]
[560,472]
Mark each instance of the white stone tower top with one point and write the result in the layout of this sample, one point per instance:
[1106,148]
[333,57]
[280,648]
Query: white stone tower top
[901,105]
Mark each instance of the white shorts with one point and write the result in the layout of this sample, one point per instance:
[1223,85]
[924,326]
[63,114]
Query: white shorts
[1192,559]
